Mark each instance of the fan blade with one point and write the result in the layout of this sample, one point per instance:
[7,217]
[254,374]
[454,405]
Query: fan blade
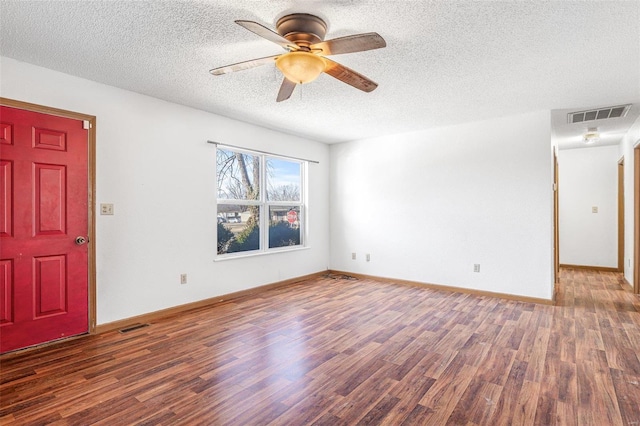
[350,44]
[243,65]
[266,33]
[285,90]
[349,76]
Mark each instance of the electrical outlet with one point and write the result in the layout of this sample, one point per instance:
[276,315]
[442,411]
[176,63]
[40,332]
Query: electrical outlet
[368,256]
[106,209]
[353,256]
[594,209]
[476,267]
[183,278]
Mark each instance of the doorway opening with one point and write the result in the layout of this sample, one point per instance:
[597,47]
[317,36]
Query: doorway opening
[556,231]
[636,214]
[621,215]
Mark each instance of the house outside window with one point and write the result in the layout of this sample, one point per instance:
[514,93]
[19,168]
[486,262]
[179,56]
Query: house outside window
[260,202]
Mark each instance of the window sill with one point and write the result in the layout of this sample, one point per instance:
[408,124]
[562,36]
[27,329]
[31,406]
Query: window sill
[225,257]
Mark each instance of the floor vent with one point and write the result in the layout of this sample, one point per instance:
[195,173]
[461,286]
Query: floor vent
[133,327]
[598,114]
[339,277]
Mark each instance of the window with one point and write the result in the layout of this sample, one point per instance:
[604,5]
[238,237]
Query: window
[260,202]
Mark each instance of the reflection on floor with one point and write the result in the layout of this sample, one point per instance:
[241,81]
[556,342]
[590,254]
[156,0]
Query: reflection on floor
[340,351]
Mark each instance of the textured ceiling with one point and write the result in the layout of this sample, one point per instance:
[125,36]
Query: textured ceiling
[446,62]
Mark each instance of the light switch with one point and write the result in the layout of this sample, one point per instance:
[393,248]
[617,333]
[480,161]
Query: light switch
[594,209]
[106,209]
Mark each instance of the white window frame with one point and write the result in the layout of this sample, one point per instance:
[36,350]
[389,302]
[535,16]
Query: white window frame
[264,204]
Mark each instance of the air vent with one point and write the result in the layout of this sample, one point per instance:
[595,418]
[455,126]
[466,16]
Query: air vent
[598,114]
[133,327]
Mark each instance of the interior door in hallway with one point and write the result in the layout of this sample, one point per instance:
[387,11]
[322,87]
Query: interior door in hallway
[636,218]
[43,228]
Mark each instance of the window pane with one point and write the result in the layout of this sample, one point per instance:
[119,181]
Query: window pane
[284,226]
[238,228]
[283,180]
[238,175]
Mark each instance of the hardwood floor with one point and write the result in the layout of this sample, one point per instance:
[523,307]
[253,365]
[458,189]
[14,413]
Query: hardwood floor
[342,352]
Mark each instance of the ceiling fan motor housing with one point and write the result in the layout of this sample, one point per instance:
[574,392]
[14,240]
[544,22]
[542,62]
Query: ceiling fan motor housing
[302,28]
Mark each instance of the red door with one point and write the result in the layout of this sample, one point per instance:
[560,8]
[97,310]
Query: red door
[43,209]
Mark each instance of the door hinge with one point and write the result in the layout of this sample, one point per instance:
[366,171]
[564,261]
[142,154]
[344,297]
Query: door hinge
[86,124]
[555,186]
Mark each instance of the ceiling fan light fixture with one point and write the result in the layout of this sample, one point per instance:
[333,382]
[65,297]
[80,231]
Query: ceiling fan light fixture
[592,135]
[300,67]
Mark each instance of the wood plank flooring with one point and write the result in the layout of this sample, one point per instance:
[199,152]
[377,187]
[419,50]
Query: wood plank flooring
[345,352]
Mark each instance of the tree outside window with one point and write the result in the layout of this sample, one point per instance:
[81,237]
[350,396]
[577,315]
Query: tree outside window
[260,201]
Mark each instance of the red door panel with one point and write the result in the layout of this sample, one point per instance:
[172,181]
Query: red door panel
[6,292]
[44,196]
[5,134]
[6,201]
[50,285]
[49,139]
[49,199]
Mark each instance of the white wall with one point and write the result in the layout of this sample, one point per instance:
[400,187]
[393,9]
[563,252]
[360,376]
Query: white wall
[154,164]
[429,205]
[630,140]
[588,177]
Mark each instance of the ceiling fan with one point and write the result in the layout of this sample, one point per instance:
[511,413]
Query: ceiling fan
[302,36]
